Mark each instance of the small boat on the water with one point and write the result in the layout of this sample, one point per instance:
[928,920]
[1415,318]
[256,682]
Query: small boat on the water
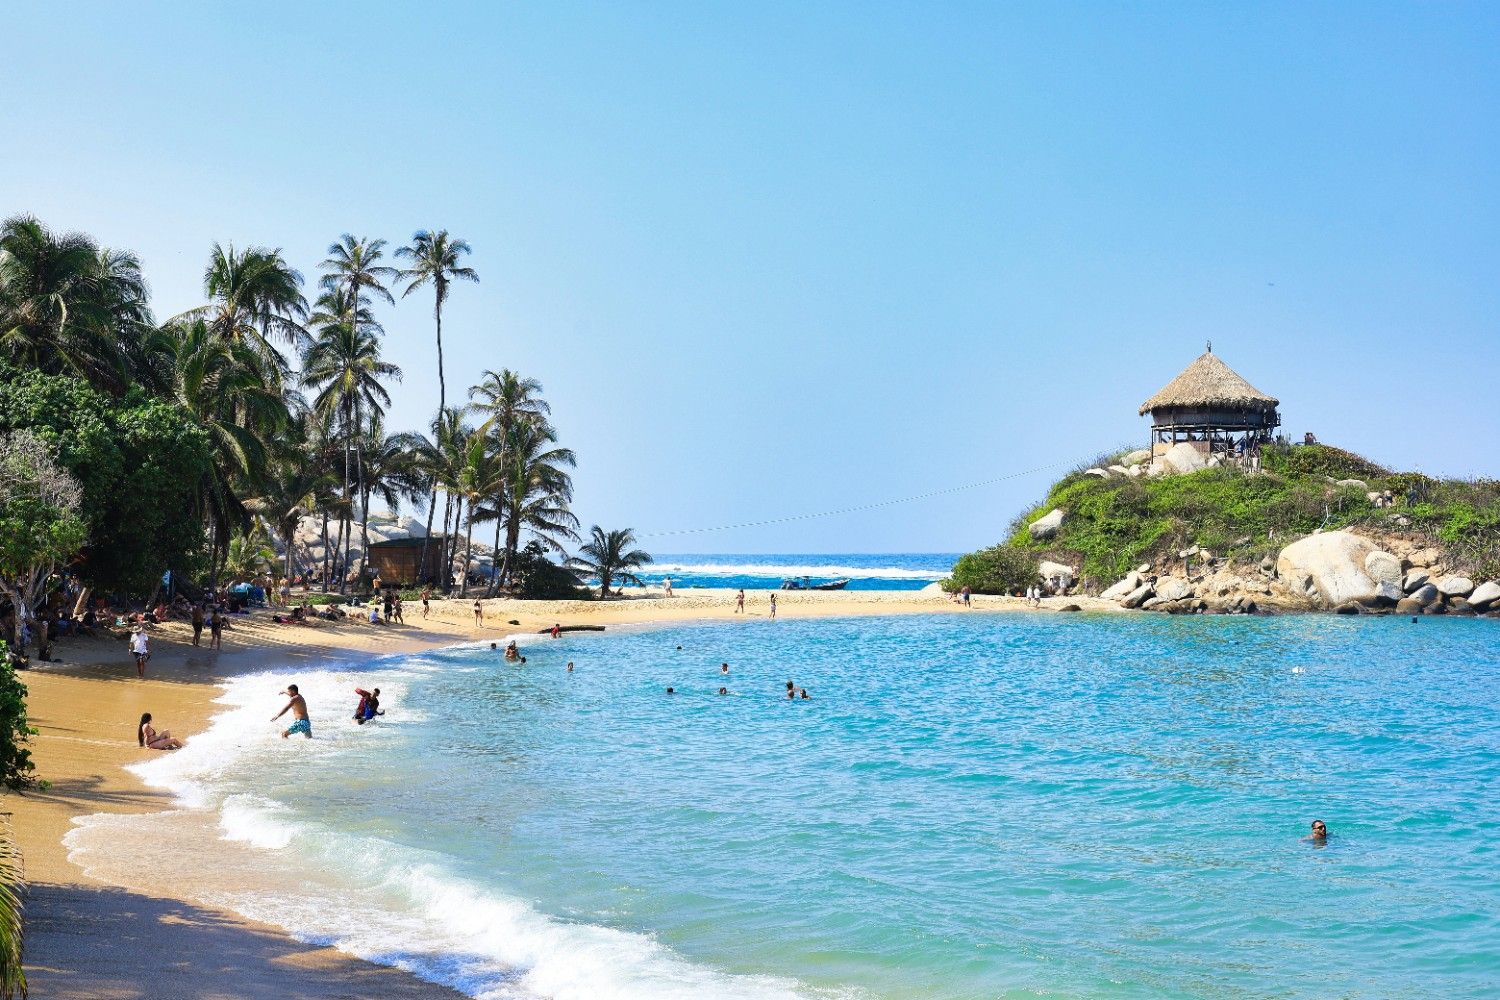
[792,583]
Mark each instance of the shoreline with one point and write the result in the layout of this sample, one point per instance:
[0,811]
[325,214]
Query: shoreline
[84,707]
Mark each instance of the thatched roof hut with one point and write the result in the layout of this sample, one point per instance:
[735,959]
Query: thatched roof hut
[1209,384]
[1210,406]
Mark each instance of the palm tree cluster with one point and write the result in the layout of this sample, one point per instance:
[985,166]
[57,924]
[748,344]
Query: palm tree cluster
[292,395]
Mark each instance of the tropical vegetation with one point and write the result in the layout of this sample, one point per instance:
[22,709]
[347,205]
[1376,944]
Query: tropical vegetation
[195,448]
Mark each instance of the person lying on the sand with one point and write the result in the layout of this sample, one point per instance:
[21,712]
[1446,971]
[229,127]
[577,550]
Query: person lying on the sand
[150,738]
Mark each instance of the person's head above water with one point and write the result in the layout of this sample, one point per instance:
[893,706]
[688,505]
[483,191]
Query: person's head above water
[723,668]
[1319,830]
[494,645]
[670,691]
[723,690]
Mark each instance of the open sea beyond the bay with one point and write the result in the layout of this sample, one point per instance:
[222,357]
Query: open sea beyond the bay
[971,805]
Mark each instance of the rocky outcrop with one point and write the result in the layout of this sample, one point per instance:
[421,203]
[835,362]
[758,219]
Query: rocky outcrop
[1047,525]
[1485,596]
[1423,595]
[1414,580]
[1131,581]
[1137,597]
[1180,459]
[1383,567]
[1171,588]
[1455,586]
[1099,473]
[1058,576]
[1333,565]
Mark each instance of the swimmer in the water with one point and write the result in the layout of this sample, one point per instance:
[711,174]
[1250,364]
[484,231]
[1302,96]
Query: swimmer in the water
[723,690]
[670,691]
[723,668]
[803,695]
[570,666]
[1319,835]
[494,645]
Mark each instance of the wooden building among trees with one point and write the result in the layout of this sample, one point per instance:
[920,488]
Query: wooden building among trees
[399,560]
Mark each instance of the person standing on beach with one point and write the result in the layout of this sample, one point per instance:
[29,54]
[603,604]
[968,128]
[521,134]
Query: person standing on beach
[396,611]
[216,630]
[141,648]
[297,705]
[773,605]
[426,600]
[668,583]
[965,592]
[739,603]
[478,614]
[197,623]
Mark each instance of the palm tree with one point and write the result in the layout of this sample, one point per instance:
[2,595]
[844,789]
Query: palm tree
[294,488]
[255,297]
[434,260]
[535,490]
[249,553]
[69,307]
[220,385]
[506,399]
[351,267]
[608,556]
[387,471]
[344,364]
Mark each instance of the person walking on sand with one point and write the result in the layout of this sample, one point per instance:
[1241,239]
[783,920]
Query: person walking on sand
[140,647]
[965,593]
[150,738]
[478,613]
[297,705]
[396,611]
[426,600]
[668,583]
[739,603]
[773,605]
[216,629]
[197,623]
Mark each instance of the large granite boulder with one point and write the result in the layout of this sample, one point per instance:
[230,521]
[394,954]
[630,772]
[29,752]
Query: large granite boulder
[1423,595]
[1130,582]
[1136,457]
[1059,575]
[1409,606]
[1384,568]
[1455,586]
[1046,526]
[1414,580]
[1332,565]
[1183,458]
[1485,595]
[1097,473]
[1171,588]
[1138,596]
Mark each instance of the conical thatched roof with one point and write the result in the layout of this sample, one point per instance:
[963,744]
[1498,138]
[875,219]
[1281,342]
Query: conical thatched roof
[1209,382]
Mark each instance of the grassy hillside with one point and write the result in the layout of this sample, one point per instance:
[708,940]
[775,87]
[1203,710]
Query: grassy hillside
[1115,524]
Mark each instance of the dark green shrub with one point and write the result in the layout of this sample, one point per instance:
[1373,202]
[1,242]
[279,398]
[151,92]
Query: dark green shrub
[1000,569]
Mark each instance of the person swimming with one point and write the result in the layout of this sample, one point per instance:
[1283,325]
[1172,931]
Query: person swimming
[1319,835]
[723,668]
[570,666]
[804,696]
[512,653]
[671,691]
[723,690]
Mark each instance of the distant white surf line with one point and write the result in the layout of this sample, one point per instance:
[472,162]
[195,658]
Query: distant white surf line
[773,570]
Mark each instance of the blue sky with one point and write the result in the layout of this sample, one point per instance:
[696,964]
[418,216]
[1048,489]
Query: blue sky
[770,259]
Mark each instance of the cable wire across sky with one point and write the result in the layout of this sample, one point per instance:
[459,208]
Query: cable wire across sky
[851,510]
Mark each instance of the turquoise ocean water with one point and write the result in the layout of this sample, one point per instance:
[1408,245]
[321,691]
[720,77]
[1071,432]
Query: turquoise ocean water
[970,805]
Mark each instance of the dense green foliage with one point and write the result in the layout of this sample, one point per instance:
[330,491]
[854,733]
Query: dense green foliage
[1114,524]
[539,578]
[139,464]
[999,569]
[15,757]
[12,929]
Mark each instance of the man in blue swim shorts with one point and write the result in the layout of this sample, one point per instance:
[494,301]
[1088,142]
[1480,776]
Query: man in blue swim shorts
[297,705]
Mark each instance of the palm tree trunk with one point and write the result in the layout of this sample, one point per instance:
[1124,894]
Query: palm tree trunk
[325,550]
[427,538]
[469,550]
[364,514]
[437,312]
[458,519]
[348,508]
[495,559]
[445,563]
[288,532]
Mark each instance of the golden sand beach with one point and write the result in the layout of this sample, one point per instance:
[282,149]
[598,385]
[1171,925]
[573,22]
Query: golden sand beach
[89,939]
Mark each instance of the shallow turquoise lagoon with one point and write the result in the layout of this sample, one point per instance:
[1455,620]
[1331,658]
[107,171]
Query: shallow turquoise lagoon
[969,805]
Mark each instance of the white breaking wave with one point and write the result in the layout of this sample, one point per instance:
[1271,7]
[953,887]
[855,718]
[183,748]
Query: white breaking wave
[367,896]
[774,571]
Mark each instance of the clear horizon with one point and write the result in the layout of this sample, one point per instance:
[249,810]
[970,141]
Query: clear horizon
[776,261]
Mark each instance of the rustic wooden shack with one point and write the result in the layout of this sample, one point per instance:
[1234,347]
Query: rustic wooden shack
[399,560]
[1213,408]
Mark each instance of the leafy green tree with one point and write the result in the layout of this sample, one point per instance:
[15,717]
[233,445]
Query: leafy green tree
[608,557]
[249,554]
[41,521]
[434,257]
[139,461]
[1000,569]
